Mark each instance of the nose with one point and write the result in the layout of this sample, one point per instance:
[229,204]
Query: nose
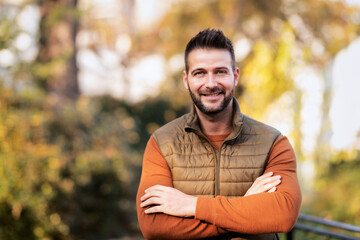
[211,81]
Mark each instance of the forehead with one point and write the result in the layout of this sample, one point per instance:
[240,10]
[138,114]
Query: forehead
[209,58]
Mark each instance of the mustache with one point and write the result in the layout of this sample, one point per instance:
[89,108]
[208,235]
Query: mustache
[213,90]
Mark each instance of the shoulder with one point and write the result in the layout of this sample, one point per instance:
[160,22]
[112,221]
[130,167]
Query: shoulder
[171,129]
[254,127]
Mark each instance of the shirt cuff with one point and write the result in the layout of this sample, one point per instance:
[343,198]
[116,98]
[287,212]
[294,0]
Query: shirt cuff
[205,209]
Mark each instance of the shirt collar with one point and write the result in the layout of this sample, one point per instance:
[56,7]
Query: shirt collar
[193,125]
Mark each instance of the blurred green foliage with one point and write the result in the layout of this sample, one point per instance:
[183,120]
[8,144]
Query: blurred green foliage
[336,191]
[71,172]
[63,172]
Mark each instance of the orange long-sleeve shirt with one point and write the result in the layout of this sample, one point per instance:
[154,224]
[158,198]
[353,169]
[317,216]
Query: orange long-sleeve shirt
[254,214]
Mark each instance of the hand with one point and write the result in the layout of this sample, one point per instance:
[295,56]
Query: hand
[168,200]
[264,183]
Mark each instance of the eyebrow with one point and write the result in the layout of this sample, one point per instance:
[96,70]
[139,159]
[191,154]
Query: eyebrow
[224,67]
[203,69]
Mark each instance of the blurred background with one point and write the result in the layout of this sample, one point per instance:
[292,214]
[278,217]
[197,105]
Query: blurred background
[83,84]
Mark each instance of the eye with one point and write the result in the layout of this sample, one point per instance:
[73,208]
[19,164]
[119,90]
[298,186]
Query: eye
[199,74]
[221,72]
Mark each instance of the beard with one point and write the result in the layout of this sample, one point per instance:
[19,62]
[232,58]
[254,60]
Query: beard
[200,105]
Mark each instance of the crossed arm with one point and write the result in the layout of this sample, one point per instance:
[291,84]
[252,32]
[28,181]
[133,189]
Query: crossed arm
[162,226]
[169,200]
[262,210]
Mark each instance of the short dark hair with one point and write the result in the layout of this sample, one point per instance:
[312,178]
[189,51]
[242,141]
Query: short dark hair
[209,38]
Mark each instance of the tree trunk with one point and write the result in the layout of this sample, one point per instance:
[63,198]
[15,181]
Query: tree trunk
[57,49]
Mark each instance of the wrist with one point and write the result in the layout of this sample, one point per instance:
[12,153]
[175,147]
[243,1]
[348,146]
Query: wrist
[192,209]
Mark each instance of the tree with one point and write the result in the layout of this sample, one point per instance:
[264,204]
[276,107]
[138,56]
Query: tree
[63,172]
[56,64]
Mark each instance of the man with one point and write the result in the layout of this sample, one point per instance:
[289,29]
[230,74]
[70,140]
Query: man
[216,172]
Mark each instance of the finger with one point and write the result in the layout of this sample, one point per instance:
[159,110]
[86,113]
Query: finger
[275,179]
[151,201]
[270,179]
[150,194]
[269,174]
[156,187]
[271,185]
[272,190]
[155,209]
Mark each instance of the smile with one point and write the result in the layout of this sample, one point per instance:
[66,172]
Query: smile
[211,94]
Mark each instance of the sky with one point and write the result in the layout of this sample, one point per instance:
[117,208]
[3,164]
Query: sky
[345,110]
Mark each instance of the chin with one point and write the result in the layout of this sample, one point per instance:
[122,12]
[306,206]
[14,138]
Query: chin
[213,110]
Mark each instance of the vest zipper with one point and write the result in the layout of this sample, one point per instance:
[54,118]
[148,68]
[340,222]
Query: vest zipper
[217,171]
[217,162]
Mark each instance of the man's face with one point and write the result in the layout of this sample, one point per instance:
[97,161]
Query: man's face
[210,80]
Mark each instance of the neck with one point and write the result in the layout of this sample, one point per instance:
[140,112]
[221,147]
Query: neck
[216,124]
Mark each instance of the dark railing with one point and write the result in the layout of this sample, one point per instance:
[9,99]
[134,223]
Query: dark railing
[306,223]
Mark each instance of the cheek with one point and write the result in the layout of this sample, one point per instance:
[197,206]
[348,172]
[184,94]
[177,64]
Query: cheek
[229,84]
[195,85]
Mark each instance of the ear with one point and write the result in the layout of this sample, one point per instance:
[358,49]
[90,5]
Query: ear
[185,80]
[236,76]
